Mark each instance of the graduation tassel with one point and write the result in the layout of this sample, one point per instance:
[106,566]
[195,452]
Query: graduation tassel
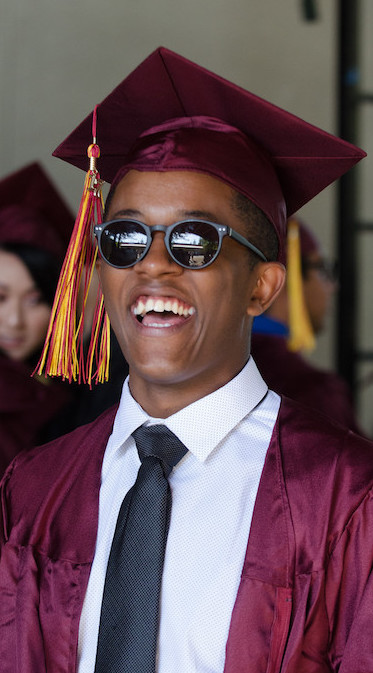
[99,347]
[63,352]
[301,333]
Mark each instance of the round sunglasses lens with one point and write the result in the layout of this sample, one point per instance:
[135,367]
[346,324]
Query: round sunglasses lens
[123,243]
[194,244]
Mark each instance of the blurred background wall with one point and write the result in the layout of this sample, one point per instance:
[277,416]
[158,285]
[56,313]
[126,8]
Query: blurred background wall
[58,58]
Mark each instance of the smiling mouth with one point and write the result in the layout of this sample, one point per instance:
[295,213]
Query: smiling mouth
[161,311]
[10,342]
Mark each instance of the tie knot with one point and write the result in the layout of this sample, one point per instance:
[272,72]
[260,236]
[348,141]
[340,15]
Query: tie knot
[160,442]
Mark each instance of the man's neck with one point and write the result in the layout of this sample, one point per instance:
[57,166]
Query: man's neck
[163,400]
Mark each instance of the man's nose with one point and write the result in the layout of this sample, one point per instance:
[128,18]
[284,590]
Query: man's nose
[157,260]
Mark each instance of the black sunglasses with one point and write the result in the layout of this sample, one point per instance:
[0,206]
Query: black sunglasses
[193,244]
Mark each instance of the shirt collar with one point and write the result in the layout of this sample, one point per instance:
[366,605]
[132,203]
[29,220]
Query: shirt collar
[202,425]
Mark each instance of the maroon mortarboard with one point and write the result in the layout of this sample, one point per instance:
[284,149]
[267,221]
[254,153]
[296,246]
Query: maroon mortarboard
[276,159]
[32,211]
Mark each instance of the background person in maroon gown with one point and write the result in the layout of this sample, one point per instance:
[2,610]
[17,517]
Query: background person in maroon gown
[35,226]
[289,372]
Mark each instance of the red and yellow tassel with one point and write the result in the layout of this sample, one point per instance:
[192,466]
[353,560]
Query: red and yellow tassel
[63,352]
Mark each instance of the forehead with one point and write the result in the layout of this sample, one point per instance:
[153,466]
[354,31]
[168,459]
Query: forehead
[179,191]
[14,273]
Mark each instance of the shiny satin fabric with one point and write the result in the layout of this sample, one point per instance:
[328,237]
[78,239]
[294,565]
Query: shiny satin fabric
[305,596]
[27,408]
[289,373]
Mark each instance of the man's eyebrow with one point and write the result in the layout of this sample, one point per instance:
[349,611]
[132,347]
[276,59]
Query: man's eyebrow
[181,214]
[127,212]
[199,214]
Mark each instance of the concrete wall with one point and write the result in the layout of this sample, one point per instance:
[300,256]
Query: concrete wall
[58,58]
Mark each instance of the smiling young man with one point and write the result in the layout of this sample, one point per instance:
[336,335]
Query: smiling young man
[178,356]
[264,562]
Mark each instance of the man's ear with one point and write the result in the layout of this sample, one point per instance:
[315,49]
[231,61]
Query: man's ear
[270,278]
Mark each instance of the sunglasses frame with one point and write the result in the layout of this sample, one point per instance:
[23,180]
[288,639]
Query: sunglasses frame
[222,230]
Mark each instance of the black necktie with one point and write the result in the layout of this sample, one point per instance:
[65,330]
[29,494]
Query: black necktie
[127,640]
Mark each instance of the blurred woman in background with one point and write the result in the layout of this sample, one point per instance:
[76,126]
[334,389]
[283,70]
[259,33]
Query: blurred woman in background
[35,225]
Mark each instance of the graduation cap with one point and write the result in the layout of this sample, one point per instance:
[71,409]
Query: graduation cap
[171,114]
[280,146]
[32,211]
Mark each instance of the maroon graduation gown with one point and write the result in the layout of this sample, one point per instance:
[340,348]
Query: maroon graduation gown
[305,600]
[288,373]
[27,406]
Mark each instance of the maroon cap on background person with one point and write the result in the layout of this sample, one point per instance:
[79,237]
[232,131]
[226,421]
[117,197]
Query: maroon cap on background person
[32,212]
[185,116]
[308,241]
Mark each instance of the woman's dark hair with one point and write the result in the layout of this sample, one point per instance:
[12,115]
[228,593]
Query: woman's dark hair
[42,266]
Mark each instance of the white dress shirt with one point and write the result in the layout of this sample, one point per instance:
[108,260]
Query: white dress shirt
[213,488]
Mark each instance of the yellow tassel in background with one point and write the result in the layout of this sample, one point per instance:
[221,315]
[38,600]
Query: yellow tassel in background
[301,333]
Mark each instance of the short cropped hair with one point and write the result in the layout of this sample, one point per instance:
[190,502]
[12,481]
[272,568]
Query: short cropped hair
[260,231]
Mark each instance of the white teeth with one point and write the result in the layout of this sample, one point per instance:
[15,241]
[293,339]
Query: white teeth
[140,308]
[149,305]
[159,306]
[158,325]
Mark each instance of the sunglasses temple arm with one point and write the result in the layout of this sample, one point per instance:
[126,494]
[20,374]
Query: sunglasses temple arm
[240,239]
